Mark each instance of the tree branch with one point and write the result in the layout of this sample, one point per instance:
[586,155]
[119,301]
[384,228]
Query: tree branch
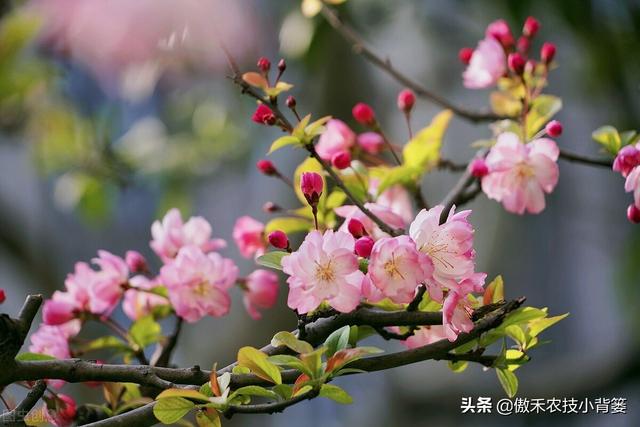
[16,416]
[578,158]
[359,47]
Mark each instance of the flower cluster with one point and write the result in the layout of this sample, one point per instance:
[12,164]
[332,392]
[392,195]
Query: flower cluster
[627,162]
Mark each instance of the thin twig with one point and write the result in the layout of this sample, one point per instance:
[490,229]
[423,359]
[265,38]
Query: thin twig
[16,416]
[578,158]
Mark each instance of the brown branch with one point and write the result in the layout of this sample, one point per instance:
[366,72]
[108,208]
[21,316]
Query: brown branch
[578,158]
[359,47]
[16,416]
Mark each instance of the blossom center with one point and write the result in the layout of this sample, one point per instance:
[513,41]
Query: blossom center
[324,272]
[391,268]
[524,171]
[201,289]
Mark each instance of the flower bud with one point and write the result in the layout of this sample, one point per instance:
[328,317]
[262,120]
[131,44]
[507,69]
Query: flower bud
[270,207]
[264,115]
[500,31]
[524,43]
[266,167]
[264,64]
[633,214]
[363,114]
[516,63]
[57,312]
[356,228]
[311,185]
[478,168]
[530,66]
[465,55]
[553,128]
[3,296]
[278,239]
[364,246]
[628,158]
[531,27]
[406,100]
[547,52]
[291,101]
[61,410]
[136,262]
[341,160]
[282,65]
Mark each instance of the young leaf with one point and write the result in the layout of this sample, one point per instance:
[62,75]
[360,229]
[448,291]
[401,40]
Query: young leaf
[288,339]
[302,390]
[509,381]
[335,393]
[283,141]
[283,390]
[338,340]
[272,259]
[458,366]
[539,325]
[288,224]
[257,362]
[181,392]
[494,291]
[423,151]
[290,362]
[255,79]
[24,357]
[254,390]
[208,417]
[543,108]
[145,331]
[609,138]
[108,341]
[172,409]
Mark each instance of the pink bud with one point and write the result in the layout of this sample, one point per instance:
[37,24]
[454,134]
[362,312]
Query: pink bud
[633,214]
[548,52]
[465,55]
[406,100]
[500,31]
[264,64]
[553,128]
[478,168]
[363,114]
[524,43]
[57,312]
[516,63]
[531,27]
[61,410]
[282,65]
[3,296]
[628,158]
[356,228]
[311,185]
[371,142]
[279,239]
[266,167]
[291,101]
[136,262]
[341,160]
[264,115]
[530,66]
[270,207]
[364,246]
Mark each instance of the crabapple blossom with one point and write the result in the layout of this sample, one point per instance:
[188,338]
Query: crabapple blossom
[396,198]
[324,268]
[456,316]
[107,285]
[425,335]
[260,291]
[54,341]
[337,138]
[341,160]
[263,115]
[627,158]
[371,142]
[478,168]
[136,262]
[465,55]
[520,174]
[311,185]
[448,245]
[264,64]
[137,304]
[390,218]
[248,233]
[369,291]
[170,234]
[198,283]
[501,32]
[396,267]
[486,66]
[632,184]
[61,410]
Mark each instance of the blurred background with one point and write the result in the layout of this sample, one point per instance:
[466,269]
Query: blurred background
[113,111]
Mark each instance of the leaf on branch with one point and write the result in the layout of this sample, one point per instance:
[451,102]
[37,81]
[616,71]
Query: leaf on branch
[423,151]
[335,393]
[338,340]
[277,89]
[272,259]
[509,381]
[254,390]
[289,225]
[106,342]
[458,366]
[539,325]
[494,292]
[255,79]
[182,392]
[145,331]
[283,141]
[208,417]
[346,356]
[25,357]
[543,108]
[257,362]
[609,138]
[288,339]
[172,409]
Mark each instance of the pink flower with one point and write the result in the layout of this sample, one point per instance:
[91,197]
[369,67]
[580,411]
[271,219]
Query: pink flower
[337,138]
[137,304]
[395,198]
[136,262]
[396,267]
[311,185]
[198,283]
[248,233]
[450,247]
[261,292]
[456,316]
[61,410]
[171,234]
[390,218]
[54,340]
[426,335]
[323,268]
[628,158]
[487,65]
[60,309]
[371,142]
[369,291]
[264,115]
[520,174]
[106,288]
[633,184]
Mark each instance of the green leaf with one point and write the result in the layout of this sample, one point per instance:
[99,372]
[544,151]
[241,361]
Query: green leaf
[277,89]
[288,224]
[494,291]
[290,362]
[272,259]
[283,390]
[108,341]
[523,315]
[257,362]
[182,392]
[172,409]
[609,138]
[509,381]
[302,390]
[543,108]
[458,366]
[539,325]
[241,370]
[313,361]
[254,390]
[145,331]
[338,340]
[517,334]
[288,339]
[403,175]
[423,151]
[335,393]
[25,357]
[283,141]
[208,417]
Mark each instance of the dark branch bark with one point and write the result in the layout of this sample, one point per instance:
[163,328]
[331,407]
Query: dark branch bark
[578,158]
[16,416]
